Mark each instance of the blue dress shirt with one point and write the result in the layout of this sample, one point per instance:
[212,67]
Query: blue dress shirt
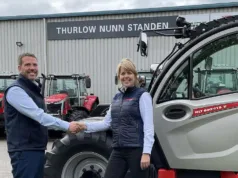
[22,102]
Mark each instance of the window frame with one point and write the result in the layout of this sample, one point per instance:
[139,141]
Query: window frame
[190,58]
[168,81]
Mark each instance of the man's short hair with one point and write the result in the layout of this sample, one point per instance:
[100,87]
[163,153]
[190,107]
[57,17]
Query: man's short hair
[24,55]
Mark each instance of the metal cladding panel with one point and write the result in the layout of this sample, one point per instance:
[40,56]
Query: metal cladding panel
[99,59]
[30,33]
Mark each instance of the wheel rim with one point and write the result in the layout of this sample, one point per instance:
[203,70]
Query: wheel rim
[85,165]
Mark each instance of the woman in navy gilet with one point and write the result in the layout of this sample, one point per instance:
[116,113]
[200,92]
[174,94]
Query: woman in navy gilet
[130,117]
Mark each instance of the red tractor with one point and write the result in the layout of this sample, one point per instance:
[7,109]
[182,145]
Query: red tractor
[217,81]
[5,81]
[68,98]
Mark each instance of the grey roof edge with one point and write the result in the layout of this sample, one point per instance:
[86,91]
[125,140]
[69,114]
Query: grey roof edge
[118,12]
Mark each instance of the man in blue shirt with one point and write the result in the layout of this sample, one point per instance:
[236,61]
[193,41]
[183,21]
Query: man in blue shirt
[26,122]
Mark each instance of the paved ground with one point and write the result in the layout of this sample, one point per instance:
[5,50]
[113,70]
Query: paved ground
[5,166]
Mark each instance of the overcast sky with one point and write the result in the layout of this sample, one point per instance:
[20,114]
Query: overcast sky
[32,7]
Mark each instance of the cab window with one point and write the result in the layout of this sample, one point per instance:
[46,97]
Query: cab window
[215,68]
[213,72]
[177,85]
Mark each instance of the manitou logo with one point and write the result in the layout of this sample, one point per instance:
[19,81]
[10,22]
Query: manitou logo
[129,99]
[215,108]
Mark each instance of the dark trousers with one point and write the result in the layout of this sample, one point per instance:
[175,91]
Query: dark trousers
[121,160]
[27,164]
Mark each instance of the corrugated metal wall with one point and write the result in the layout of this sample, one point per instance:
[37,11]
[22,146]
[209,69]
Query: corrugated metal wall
[95,57]
[99,57]
[30,33]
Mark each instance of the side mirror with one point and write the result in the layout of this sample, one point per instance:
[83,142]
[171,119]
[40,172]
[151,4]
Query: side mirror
[143,44]
[116,80]
[88,82]
[142,81]
[208,63]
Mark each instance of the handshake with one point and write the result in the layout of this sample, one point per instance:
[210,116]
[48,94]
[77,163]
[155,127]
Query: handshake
[75,127]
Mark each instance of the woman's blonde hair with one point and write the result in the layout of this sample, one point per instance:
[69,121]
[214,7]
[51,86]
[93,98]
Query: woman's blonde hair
[128,65]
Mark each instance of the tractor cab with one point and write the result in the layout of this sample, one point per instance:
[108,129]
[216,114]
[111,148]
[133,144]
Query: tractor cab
[6,80]
[145,77]
[74,86]
[215,81]
[67,93]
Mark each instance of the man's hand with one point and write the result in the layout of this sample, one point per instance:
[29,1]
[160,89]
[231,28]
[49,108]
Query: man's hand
[82,126]
[75,127]
[145,161]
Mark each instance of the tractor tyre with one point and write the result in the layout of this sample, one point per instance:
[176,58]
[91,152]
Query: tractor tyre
[78,115]
[82,155]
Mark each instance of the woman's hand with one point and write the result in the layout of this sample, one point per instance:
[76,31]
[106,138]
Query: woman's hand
[145,161]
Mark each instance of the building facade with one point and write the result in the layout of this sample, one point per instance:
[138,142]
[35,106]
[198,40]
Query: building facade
[94,42]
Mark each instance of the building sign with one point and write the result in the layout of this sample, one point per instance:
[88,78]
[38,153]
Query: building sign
[113,28]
